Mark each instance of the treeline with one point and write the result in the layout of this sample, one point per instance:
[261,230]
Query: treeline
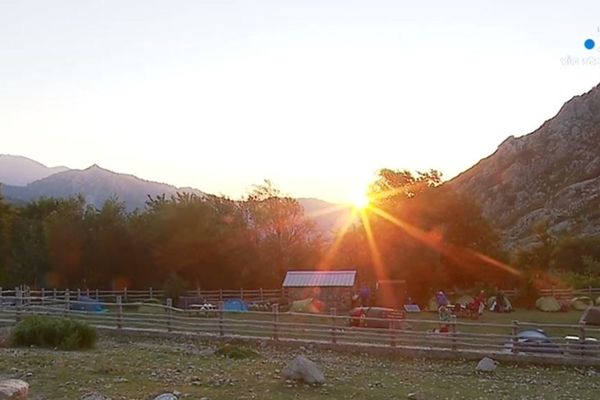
[415,229]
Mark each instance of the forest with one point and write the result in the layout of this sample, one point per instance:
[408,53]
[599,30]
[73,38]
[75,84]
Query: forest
[415,228]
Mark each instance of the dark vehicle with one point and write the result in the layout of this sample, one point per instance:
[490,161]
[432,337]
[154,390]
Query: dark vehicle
[533,341]
[376,317]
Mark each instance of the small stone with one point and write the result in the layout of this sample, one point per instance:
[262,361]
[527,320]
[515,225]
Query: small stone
[304,370]
[486,364]
[13,389]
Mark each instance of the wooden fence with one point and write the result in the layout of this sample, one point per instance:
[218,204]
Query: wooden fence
[570,344]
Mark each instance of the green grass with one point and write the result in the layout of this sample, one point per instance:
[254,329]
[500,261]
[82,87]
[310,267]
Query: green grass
[134,368]
[53,332]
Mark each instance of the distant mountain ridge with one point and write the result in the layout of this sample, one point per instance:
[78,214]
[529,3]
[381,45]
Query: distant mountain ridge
[98,184]
[19,170]
[551,174]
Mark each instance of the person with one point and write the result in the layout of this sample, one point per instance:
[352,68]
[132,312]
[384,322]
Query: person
[445,317]
[365,295]
[479,302]
[441,299]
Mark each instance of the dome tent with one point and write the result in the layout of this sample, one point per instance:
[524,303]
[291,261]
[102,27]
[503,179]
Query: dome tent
[591,316]
[235,305]
[548,304]
[506,306]
[581,303]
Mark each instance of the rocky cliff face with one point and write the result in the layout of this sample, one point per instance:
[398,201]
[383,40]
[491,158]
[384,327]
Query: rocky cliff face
[551,174]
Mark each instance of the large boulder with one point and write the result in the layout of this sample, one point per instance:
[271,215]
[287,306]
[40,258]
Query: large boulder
[13,389]
[486,364]
[304,370]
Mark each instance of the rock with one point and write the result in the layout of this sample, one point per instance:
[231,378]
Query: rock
[304,370]
[166,396]
[416,396]
[13,389]
[94,396]
[486,364]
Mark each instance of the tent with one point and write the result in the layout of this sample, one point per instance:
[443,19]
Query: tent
[548,304]
[493,305]
[432,305]
[581,303]
[465,300]
[591,316]
[85,303]
[598,301]
[308,305]
[235,305]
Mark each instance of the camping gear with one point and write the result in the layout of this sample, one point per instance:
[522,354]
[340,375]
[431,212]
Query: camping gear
[581,303]
[547,304]
[87,304]
[503,306]
[532,341]
[432,305]
[236,305]
[464,300]
[376,317]
[591,316]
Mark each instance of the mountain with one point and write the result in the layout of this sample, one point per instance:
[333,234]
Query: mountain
[97,185]
[551,174]
[329,217]
[19,171]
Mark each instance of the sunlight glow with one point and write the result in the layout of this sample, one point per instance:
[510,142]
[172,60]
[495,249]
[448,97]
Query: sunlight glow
[360,200]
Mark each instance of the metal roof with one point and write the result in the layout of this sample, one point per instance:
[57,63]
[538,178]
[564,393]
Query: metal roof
[319,278]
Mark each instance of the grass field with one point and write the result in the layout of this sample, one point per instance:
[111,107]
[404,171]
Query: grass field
[124,367]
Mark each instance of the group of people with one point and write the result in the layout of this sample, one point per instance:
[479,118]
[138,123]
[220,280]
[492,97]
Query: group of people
[446,311]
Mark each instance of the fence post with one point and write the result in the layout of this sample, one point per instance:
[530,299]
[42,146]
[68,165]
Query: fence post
[97,295]
[220,294]
[262,296]
[333,313]
[54,294]
[221,311]
[453,330]
[1,298]
[125,294]
[515,332]
[151,293]
[18,303]
[87,292]
[242,294]
[67,301]
[78,293]
[119,312]
[169,313]
[43,296]
[275,321]
[582,338]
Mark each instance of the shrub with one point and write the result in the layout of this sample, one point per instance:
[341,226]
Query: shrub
[53,332]
[236,352]
[174,287]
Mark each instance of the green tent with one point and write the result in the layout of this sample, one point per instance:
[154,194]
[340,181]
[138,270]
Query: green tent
[465,300]
[547,304]
[432,305]
[598,301]
[581,303]
[302,306]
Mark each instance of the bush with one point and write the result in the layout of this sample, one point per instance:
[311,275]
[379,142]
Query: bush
[236,352]
[174,287]
[53,332]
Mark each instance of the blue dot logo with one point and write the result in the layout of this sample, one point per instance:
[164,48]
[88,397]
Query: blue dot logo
[589,44]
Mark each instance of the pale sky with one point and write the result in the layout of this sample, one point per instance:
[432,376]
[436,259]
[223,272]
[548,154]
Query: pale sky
[314,95]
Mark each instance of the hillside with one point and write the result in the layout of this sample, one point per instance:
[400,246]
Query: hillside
[551,174]
[97,185]
[19,171]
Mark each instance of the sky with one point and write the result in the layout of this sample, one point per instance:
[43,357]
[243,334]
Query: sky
[314,95]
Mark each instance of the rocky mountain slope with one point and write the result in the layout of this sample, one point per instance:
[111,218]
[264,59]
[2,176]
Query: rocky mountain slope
[551,174]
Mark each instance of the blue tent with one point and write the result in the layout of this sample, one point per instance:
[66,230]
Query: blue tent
[235,305]
[85,303]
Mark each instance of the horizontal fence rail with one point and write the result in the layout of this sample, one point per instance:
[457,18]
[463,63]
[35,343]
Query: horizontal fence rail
[567,343]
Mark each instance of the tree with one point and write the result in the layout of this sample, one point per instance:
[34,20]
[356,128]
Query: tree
[284,238]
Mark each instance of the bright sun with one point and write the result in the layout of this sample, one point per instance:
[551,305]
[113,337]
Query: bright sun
[360,200]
